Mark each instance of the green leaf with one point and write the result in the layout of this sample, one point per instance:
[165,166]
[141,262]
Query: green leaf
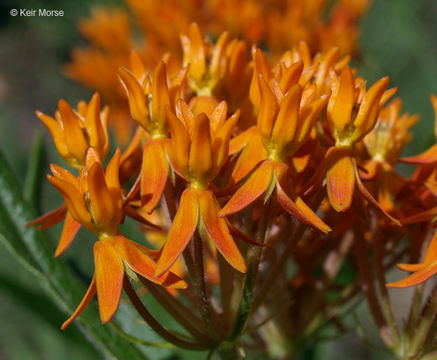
[33,249]
[32,181]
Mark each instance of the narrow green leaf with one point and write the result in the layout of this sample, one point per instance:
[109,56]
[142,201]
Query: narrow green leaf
[32,181]
[64,287]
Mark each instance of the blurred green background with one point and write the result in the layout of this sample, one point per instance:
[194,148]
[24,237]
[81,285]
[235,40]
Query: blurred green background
[399,39]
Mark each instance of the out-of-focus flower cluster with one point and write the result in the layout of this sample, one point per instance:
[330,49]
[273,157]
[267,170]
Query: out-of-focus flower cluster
[242,160]
[278,25]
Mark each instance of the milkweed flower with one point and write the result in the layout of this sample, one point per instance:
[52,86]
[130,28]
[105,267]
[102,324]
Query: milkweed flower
[94,200]
[198,149]
[74,131]
[148,99]
[285,119]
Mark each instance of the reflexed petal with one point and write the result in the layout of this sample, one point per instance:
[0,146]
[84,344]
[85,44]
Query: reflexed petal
[252,189]
[109,278]
[184,225]
[415,278]
[69,231]
[368,196]
[136,257]
[218,116]
[427,157]
[249,158]
[83,304]
[218,231]
[241,140]
[296,206]
[154,174]
[49,219]
[340,180]
[201,148]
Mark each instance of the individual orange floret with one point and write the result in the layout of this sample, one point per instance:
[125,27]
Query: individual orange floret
[352,113]
[198,150]
[74,131]
[148,99]
[285,119]
[94,200]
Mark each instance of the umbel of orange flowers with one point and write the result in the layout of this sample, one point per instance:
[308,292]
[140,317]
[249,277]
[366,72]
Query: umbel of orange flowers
[236,166]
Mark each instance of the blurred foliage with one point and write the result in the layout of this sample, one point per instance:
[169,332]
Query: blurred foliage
[398,39]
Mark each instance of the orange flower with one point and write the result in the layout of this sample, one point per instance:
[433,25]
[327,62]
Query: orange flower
[198,149]
[148,100]
[112,255]
[94,200]
[207,63]
[75,131]
[285,119]
[352,113]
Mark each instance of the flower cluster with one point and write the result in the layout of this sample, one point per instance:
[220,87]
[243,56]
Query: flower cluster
[240,161]
[112,37]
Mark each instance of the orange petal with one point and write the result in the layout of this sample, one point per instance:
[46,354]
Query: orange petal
[160,96]
[252,189]
[241,140]
[49,219]
[101,200]
[291,76]
[69,231]
[249,158]
[218,231]
[340,180]
[415,278]
[83,304]
[268,109]
[56,131]
[136,256]
[218,116]
[74,136]
[109,278]
[287,119]
[342,100]
[179,142]
[368,196]
[197,53]
[427,157]
[184,225]
[136,97]
[295,207]
[73,199]
[220,146]
[97,135]
[367,114]
[201,148]
[154,174]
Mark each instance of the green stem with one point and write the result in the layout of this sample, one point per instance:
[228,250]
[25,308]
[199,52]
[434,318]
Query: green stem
[183,315]
[422,330]
[156,326]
